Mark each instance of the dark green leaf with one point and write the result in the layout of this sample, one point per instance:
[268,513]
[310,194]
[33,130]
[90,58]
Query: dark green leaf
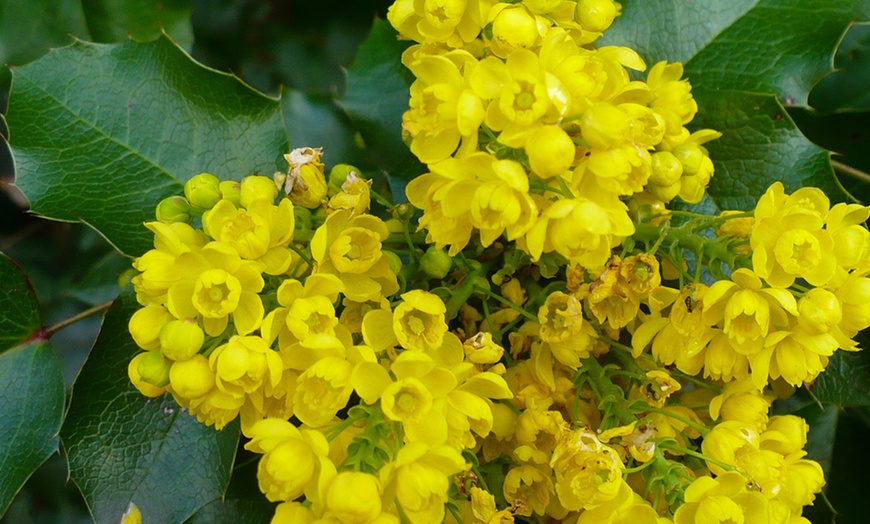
[760,144]
[20,318]
[123,447]
[745,58]
[319,122]
[128,124]
[377,95]
[31,408]
[846,380]
[243,502]
[761,46]
[847,87]
[117,20]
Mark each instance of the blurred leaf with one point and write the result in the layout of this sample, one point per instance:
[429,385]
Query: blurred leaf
[377,95]
[20,319]
[30,28]
[129,124]
[117,20]
[31,384]
[759,145]
[846,89]
[31,408]
[100,283]
[743,58]
[320,122]
[123,447]
[846,380]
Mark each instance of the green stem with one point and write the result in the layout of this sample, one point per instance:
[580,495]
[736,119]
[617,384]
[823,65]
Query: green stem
[301,254]
[692,453]
[507,303]
[703,430]
[51,330]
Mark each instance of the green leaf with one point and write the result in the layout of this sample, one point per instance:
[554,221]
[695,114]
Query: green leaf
[31,384]
[377,95]
[123,447]
[846,89]
[762,46]
[20,319]
[128,124]
[117,20]
[846,380]
[320,122]
[744,58]
[243,502]
[31,408]
[759,145]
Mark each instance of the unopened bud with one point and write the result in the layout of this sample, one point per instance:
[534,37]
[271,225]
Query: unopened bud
[254,187]
[436,263]
[605,126]
[173,209]
[149,390]
[181,339]
[231,190]
[339,172]
[595,15]
[515,28]
[191,378]
[666,169]
[691,156]
[550,151]
[154,369]
[203,191]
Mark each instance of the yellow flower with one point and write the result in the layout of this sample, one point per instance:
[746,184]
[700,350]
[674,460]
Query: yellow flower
[419,480]
[350,248]
[322,390]
[582,230]
[355,195]
[626,508]
[484,509]
[314,314]
[529,489]
[514,27]
[245,363]
[588,473]
[551,151]
[452,22]
[564,329]
[192,378]
[418,321]
[259,232]
[215,283]
[157,266]
[146,323]
[723,499]
[611,300]
[353,497]
[304,183]
[294,461]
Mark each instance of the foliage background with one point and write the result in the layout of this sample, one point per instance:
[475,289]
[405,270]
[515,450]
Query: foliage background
[300,49]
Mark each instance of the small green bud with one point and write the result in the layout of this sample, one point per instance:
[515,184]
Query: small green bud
[203,191]
[394,260]
[181,339]
[154,369]
[403,211]
[173,209]
[303,218]
[436,263]
[691,156]
[339,172]
[394,225]
[231,190]
[254,187]
[666,169]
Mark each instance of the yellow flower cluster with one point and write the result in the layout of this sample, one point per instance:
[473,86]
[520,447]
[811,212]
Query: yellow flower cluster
[759,323]
[532,133]
[579,353]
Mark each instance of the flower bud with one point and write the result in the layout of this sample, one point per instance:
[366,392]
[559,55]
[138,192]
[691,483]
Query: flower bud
[149,390]
[666,169]
[154,369]
[820,311]
[643,206]
[181,339]
[665,193]
[595,15]
[303,218]
[691,156]
[394,225]
[605,126]
[353,496]
[231,190]
[394,260]
[339,172]
[191,378]
[515,28]
[254,187]
[482,349]
[146,323]
[203,191]
[436,263]
[550,151]
[173,209]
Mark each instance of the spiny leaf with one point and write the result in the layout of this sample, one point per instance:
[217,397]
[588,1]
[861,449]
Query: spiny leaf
[123,447]
[127,125]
